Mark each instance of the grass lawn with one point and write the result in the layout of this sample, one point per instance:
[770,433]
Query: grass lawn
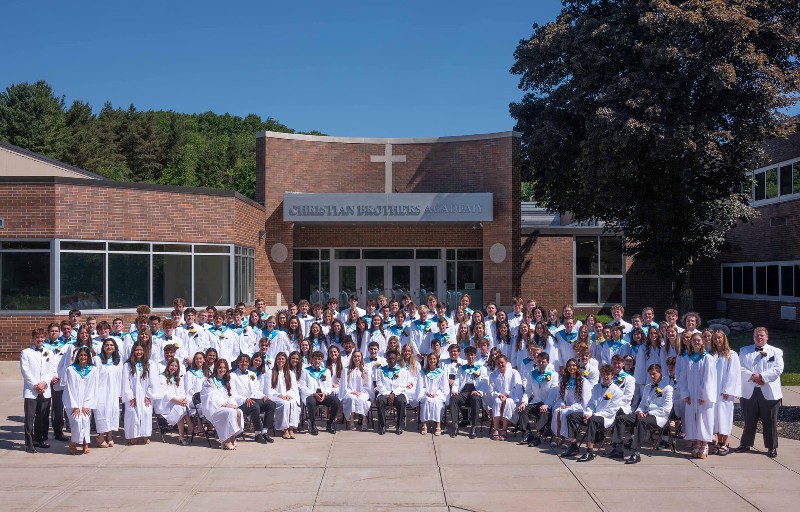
[788,341]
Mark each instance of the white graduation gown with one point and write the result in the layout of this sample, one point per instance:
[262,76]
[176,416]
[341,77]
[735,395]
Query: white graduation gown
[171,411]
[139,419]
[570,402]
[227,422]
[510,384]
[80,392]
[354,382]
[109,391]
[698,381]
[729,382]
[431,408]
[287,412]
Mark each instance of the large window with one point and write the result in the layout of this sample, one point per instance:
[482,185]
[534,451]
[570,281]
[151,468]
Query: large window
[777,183]
[464,275]
[312,269]
[599,270]
[25,275]
[778,280]
[122,275]
[245,275]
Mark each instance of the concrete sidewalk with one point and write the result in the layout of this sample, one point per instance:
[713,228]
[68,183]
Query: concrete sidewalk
[364,471]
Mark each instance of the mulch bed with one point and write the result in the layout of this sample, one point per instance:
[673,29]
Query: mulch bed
[788,422]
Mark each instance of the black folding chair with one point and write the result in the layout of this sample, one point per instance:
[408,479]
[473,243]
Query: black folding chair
[197,418]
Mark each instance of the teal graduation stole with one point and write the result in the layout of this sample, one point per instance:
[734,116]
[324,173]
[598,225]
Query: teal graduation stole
[83,372]
[390,373]
[316,374]
[542,377]
[698,356]
[433,374]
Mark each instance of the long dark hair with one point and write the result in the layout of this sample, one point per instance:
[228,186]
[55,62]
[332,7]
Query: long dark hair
[145,361]
[337,370]
[114,355]
[649,343]
[578,381]
[332,335]
[177,373]
[83,350]
[227,378]
[287,373]
[298,372]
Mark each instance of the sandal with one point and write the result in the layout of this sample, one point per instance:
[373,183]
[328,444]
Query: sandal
[286,435]
[438,431]
[364,426]
[724,450]
[73,448]
[713,449]
[495,435]
[503,435]
[424,430]
[291,435]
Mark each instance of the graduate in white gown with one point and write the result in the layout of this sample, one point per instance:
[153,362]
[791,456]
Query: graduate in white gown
[410,363]
[219,406]
[698,385]
[356,390]
[282,388]
[729,386]
[572,395]
[80,388]
[432,394]
[139,390]
[109,367]
[173,404]
[507,393]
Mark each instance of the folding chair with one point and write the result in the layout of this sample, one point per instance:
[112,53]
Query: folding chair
[163,426]
[197,417]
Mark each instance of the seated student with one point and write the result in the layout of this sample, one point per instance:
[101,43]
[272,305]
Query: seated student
[450,365]
[433,394]
[193,380]
[356,388]
[252,400]
[625,382]
[599,413]
[80,397]
[652,412]
[540,393]
[505,388]
[316,389]
[283,389]
[220,408]
[572,395]
[611,347]
[169,353]
[467,390]
[173,404]
[392,386]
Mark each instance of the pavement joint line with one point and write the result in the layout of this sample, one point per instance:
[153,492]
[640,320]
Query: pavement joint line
[439,469]
[324,472]
[197,481]
[712,475]
[577,477]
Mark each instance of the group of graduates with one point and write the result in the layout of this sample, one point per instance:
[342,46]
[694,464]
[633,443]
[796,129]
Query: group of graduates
[540,371]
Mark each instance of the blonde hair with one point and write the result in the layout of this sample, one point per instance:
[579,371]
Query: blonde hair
[725,351]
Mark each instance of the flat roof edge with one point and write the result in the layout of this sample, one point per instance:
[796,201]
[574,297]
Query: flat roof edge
[384,140]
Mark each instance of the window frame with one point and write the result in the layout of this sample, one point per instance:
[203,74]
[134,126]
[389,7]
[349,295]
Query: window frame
[761,296]
[53,266]
[794,169]
[599,275]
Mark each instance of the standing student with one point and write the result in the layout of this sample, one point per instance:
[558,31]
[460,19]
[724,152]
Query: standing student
[57,346]
[729,386]
[80,387]
[356,390]
[698,385]
[762,366]
[140,388]
[38,376]
[283,390]
[108,365]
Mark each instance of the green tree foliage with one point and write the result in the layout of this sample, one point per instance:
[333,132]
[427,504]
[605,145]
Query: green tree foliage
[646,114]
[195,150]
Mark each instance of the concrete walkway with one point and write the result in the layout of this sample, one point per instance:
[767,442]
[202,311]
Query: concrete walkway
[364,471]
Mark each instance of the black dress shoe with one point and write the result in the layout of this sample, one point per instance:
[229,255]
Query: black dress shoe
[331,429]
[634,458]
[742,449]
[453,432]
[381,431]
[528,439]
[398,431]
[617,454]
[62,438]
[30,449]
[267,438]
[472,434]
[586,457]
[41,444]
[572,451]
[314,432]
[772,453]
[260,439]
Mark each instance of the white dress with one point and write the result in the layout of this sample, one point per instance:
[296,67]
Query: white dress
[171,411]
[571,402]
[698,381]
[193,383]
[435,382]
[109,391]
[353,382]
[79,393]
[729,382]
[287,412]
[139,419]
[510,384]
[228,422]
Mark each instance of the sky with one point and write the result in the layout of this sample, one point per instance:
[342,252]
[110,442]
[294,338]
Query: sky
[346,68]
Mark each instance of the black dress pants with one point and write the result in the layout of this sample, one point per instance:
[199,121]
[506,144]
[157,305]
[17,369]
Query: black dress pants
[37,411]
[755,408]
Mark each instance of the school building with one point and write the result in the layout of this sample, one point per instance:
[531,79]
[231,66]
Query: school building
[335,216]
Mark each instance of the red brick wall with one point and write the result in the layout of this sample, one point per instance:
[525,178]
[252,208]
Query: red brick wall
[755,241]
[491,165]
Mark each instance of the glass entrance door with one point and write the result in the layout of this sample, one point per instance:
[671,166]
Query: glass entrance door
[375,278]
[346,282]
[400,280]
[371,279]
[429,280]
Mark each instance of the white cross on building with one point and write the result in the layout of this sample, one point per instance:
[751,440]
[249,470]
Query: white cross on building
[388,159]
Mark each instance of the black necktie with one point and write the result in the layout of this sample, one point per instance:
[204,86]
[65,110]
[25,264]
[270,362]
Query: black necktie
[167,338]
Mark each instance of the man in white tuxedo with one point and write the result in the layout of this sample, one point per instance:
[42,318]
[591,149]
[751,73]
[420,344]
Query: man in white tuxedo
[37,365]
[762,366]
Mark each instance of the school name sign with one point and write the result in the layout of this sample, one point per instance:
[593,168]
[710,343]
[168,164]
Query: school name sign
[445,207]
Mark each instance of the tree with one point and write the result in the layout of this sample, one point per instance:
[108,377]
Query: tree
[647,114]
[32,117]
